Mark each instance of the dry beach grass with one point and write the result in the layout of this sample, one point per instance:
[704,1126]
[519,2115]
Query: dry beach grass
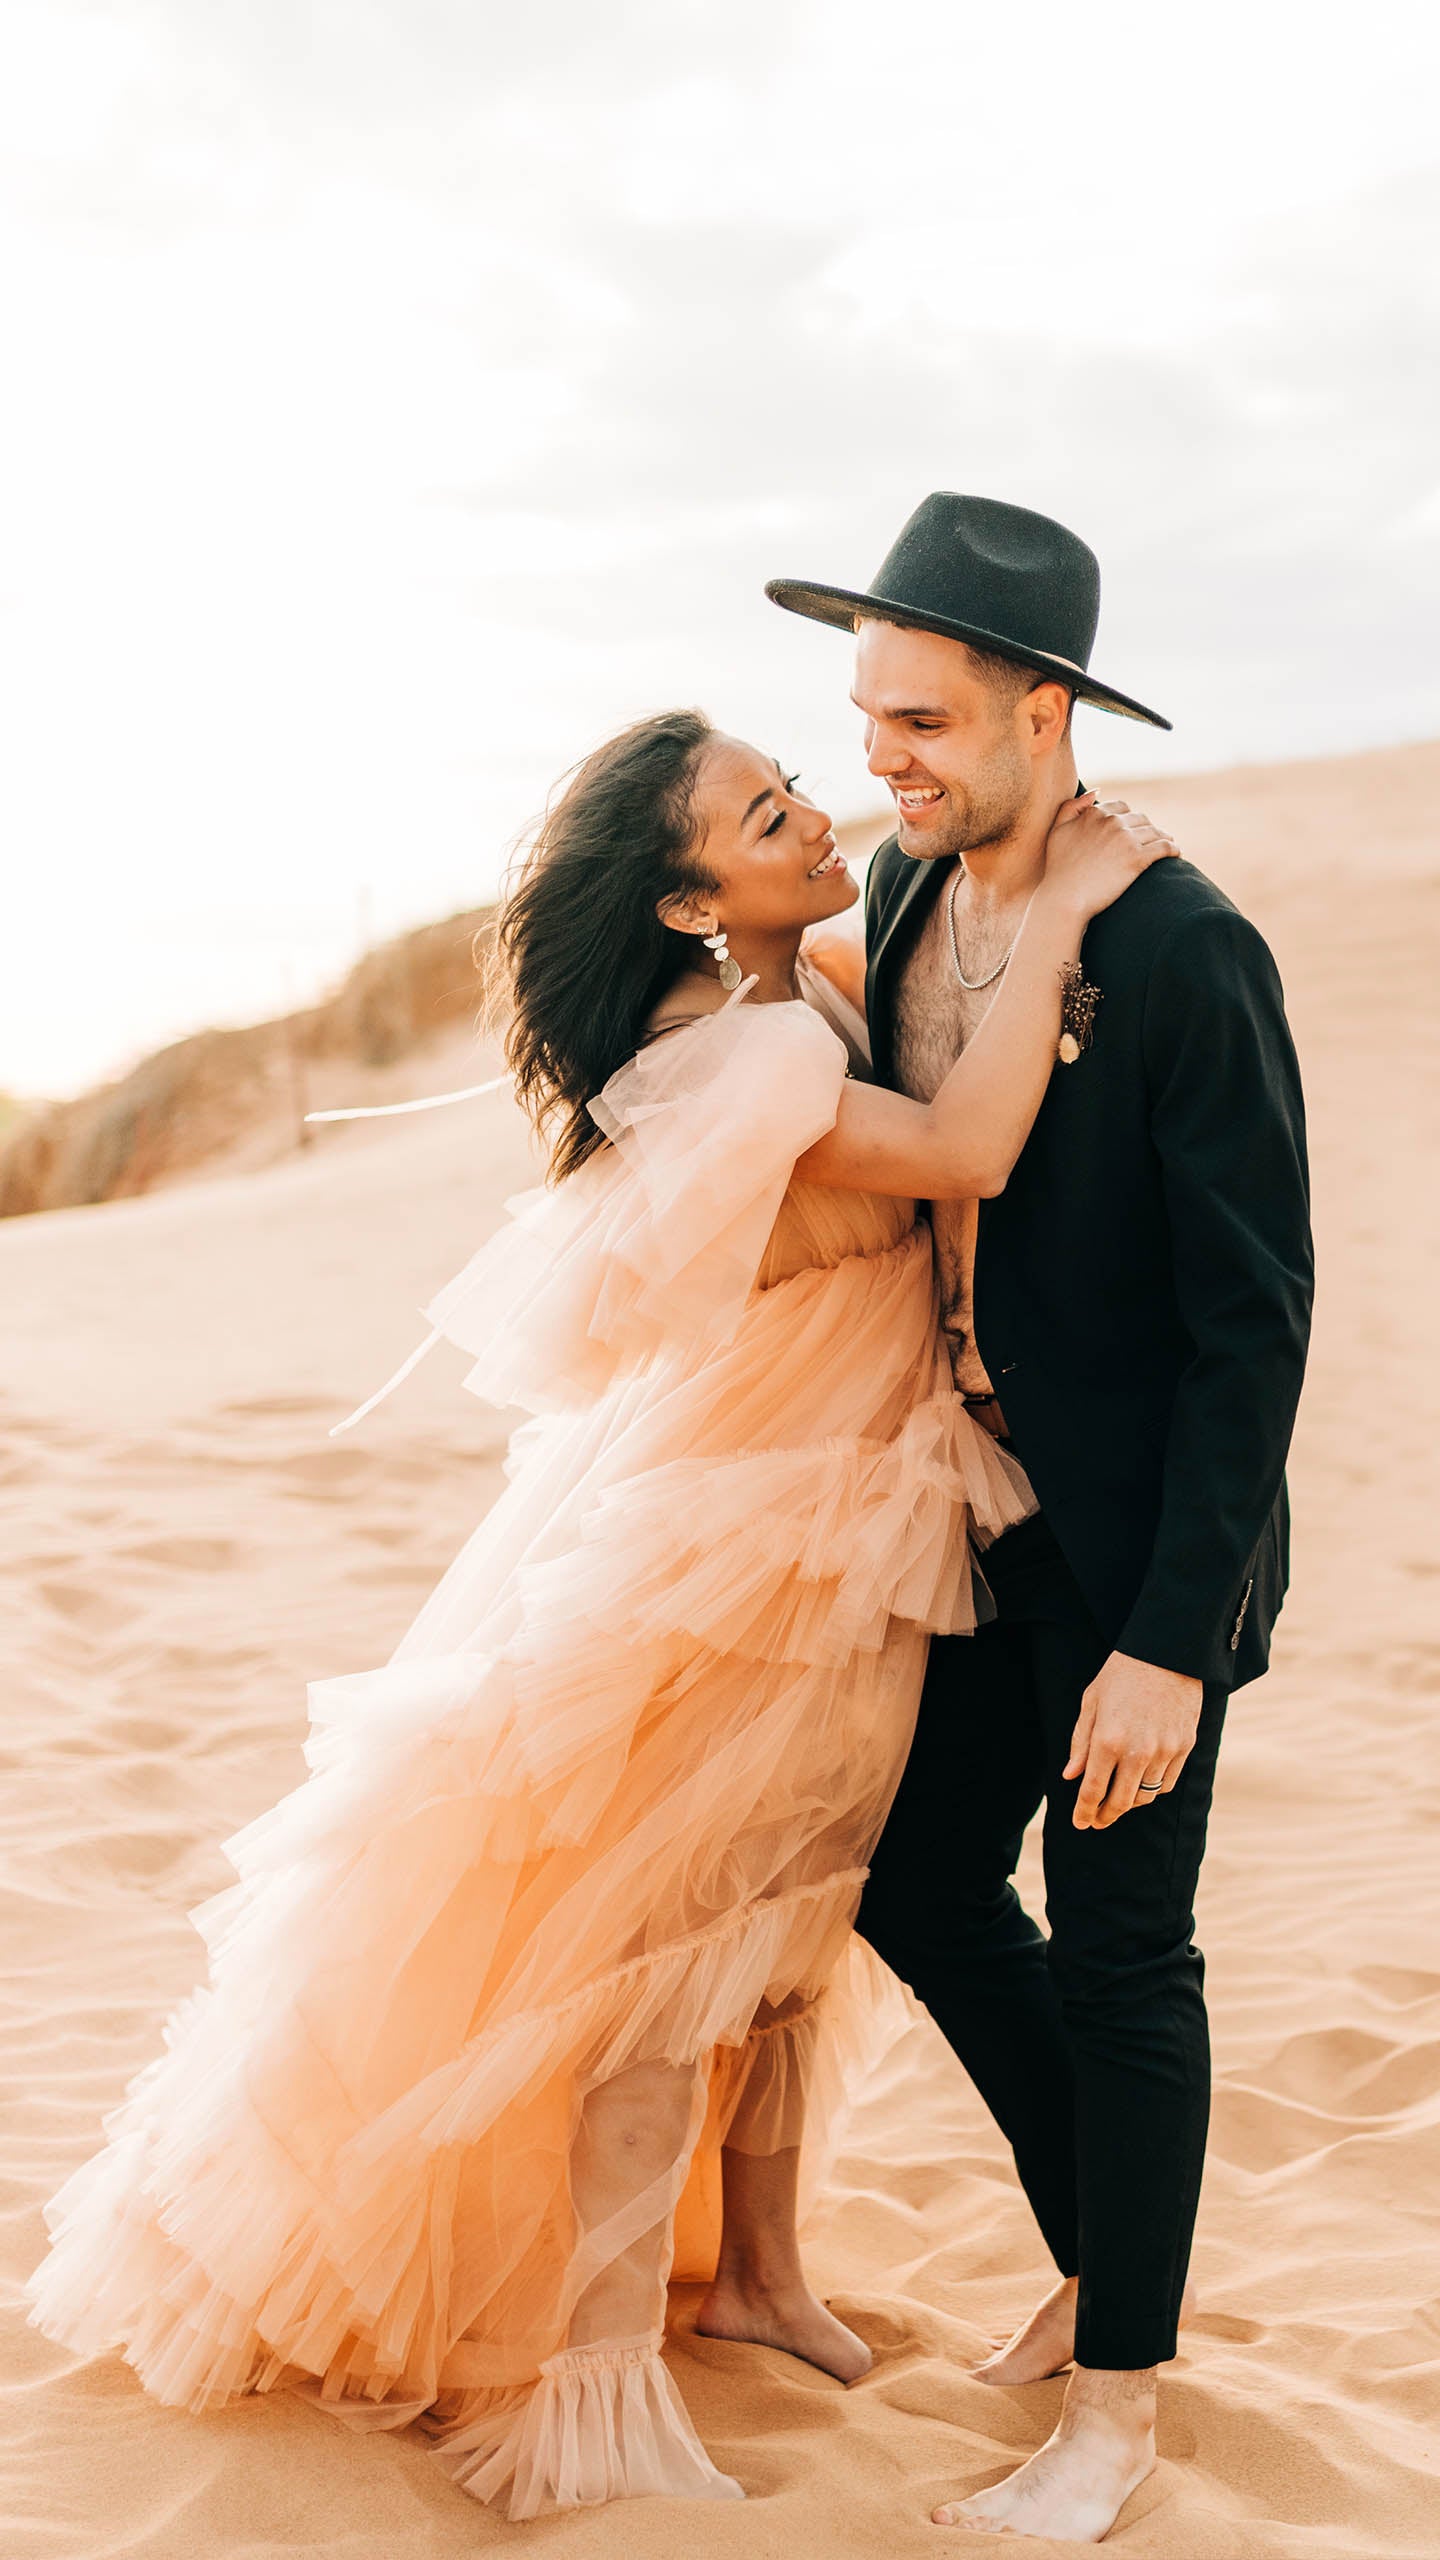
[182,1547]
[239,1096]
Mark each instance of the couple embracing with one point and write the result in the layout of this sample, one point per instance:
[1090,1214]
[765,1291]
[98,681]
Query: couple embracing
[843,1534]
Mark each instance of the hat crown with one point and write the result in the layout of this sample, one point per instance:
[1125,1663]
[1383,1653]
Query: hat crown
[1000,569]
[996,577]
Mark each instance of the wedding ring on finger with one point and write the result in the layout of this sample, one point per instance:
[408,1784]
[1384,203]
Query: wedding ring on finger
[1151,1786]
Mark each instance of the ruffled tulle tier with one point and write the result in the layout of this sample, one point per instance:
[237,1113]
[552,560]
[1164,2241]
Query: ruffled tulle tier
[601,2422]
[566,1900]
[796,1555]
[204,2239]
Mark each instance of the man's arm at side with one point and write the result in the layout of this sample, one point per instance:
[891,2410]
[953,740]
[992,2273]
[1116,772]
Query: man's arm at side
[1227,1119]
[1228,1124]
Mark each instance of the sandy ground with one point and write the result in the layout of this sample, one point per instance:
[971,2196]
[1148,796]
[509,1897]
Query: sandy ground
[181,1547]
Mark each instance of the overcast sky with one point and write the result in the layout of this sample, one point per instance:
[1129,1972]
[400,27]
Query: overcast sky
[401,393]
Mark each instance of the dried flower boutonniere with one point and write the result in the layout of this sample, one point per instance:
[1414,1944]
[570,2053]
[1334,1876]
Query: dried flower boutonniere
[1079,1002]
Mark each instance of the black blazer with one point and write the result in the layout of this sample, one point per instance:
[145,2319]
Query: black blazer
[1143,1283]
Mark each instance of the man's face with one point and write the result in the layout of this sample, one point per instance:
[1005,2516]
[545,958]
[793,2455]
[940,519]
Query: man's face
[951,749]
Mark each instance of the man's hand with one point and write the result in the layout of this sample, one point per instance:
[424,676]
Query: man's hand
[1136,1723]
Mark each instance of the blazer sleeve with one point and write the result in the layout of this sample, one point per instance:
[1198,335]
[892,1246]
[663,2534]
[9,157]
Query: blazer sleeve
[1228,1124]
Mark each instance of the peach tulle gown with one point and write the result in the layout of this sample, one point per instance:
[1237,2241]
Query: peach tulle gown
[566,1900]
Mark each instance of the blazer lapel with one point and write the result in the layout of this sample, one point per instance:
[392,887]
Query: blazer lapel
[902,910]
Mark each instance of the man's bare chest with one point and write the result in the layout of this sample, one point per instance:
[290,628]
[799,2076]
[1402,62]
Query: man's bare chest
[936,1016]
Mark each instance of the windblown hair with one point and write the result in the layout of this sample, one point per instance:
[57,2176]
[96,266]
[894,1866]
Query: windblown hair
[585,954]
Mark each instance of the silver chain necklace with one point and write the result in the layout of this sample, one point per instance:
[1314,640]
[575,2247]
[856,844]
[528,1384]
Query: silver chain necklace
[972,986]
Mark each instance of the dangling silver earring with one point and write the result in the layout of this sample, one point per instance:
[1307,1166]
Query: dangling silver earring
[729,969]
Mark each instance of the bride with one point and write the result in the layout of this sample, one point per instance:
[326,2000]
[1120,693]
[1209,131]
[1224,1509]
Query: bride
[525,1998]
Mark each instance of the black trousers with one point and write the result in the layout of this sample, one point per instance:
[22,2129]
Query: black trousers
[1090,2048]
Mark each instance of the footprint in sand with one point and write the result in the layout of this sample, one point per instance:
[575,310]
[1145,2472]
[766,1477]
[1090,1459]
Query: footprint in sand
[916,2183]
[1351,2072]
[91,1613]
[138,1853]
[217,1659]
[325,1474]
[887,2332]
[281,1408]
[189,1555]
[1251,2129]
[149,1734]
[1398,1986]
[393,1577]
[1224,2325]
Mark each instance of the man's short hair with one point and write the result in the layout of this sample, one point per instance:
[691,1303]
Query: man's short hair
[1009,680]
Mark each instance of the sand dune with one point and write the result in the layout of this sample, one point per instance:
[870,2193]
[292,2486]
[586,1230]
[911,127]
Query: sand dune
[182,1547]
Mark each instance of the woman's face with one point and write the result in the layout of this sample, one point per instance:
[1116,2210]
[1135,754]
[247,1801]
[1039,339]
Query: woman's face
[769,848]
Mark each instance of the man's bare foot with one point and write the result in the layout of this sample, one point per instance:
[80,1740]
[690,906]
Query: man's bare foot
[1073,2489]
[792,2320]
[1045,2345]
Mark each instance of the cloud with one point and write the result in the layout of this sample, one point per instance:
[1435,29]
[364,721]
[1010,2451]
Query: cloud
[410,391]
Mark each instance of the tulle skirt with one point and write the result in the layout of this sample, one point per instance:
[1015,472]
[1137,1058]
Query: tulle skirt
[564,1905]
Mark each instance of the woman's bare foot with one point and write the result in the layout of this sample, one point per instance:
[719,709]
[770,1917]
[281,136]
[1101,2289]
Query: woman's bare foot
[1073,2489]
[792,2320]
[1045,2345]
[760,2296]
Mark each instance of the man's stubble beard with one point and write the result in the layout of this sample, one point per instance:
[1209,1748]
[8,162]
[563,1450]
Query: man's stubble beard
[992,809]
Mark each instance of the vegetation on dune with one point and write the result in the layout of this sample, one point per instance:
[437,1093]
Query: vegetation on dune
[190,1102]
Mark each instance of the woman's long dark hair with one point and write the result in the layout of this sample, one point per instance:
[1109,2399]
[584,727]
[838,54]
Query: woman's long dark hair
[586,955]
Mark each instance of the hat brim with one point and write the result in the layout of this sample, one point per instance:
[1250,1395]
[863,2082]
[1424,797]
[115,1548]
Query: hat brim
[842,607]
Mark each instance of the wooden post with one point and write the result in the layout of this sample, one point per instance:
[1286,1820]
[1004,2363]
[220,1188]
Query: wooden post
[299,1079]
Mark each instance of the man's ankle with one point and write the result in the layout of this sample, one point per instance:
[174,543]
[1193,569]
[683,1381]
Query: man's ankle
[1124,2396]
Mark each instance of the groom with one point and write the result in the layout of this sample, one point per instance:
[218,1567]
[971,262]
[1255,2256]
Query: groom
[1131,1317]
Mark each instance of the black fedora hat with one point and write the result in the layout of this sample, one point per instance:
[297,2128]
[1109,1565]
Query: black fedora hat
[999,577]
